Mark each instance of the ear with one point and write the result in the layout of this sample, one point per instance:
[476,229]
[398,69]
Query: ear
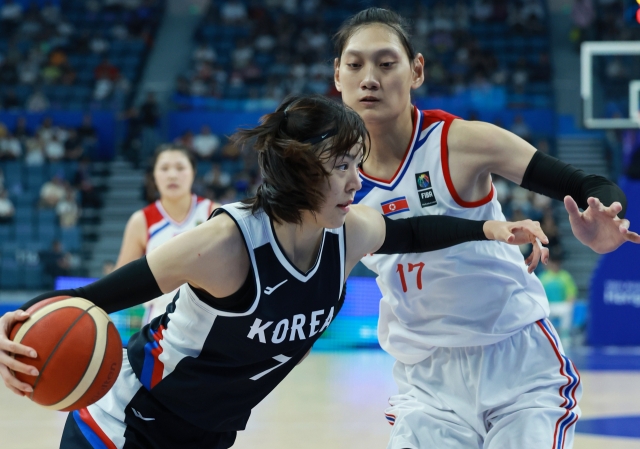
[417,73]
[336,74]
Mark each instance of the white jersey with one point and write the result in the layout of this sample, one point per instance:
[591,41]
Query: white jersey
[160,228]
[473,294]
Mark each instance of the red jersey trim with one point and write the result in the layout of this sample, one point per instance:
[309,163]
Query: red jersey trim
[152,215]
[444,156]
[416,121]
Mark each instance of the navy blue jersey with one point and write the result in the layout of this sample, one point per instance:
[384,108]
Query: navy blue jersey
[210,366]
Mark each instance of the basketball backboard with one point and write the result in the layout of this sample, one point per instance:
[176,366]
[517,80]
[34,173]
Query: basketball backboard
[624,60]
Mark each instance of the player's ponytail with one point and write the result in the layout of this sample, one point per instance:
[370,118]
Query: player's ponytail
[292,144]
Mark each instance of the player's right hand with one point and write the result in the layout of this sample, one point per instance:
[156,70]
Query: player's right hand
[8,348]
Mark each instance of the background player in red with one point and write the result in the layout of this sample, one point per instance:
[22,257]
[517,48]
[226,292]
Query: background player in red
[258,284]
[478,364]
[175,211]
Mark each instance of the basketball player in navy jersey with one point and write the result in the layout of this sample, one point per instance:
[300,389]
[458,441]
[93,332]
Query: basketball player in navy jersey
[478,364]
[258,284]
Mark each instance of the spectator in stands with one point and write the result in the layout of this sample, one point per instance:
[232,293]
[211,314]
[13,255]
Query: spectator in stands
[88,134]
[217,180]
[520,75]
[550,228]
[185,140]
[2,186]
[233,12]
[55,261]
[35,152]
[482,10]
[561,291]
[206,143]
[82,180]
[7,211]
[204,53]
[67,209]
[106,70]
[10,146]
[37,102]
[52,192]
[149,117]
[98,44]
[54,149]
[520,128]
[10,15]
[10,100]
[47,131]
[73,149]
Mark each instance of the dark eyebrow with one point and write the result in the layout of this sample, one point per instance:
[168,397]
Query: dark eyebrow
[379,52]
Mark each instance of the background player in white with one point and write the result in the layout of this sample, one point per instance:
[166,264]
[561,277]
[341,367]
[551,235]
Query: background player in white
[176,211]
[191,377]
[478,365]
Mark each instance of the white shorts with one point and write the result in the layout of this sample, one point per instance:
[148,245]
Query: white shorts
[522,392]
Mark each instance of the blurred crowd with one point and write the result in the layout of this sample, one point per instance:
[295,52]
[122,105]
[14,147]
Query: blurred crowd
[250,49]
[49,146]
[41,46]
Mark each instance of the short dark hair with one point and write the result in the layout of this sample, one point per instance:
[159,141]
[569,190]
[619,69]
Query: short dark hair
[174,147]
[372,16]
[292,144]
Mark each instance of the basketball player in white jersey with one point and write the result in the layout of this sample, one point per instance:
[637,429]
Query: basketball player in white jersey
[478,364]
[258,284]
[176,211]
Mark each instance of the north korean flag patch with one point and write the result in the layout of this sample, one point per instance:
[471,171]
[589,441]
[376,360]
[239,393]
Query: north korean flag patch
[395,206]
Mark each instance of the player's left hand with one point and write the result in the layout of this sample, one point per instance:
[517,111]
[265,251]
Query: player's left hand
[520,233]
[599,227]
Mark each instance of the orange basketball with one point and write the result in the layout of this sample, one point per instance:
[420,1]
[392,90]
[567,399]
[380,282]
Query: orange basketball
[79,352]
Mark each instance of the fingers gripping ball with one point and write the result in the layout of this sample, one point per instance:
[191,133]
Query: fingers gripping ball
[79,352]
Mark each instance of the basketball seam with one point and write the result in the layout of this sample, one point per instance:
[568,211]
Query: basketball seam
[88,365]
[53,351]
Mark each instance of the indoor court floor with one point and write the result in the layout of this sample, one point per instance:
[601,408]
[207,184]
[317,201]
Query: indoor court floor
[337,400]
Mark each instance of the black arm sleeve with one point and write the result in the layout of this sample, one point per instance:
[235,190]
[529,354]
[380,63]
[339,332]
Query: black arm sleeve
[556,179]
[127,286]
[428,233]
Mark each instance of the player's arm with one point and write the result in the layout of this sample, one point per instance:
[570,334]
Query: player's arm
[369,232]
[477,149]
[211,256]
[134,240]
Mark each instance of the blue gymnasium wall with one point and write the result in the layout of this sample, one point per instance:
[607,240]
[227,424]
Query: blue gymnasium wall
[614,302]
[104,123]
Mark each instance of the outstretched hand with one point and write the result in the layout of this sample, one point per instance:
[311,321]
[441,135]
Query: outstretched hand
[520,233]
[599,227]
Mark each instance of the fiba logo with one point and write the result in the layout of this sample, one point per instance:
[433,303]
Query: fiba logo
[425,190]
[423,180]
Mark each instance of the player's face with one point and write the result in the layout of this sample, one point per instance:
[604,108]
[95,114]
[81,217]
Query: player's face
[173,174]
[375,76]
[339,191]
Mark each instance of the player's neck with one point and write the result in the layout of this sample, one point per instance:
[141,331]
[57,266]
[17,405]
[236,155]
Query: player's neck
[300,243]
[389,142]
[177,208]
